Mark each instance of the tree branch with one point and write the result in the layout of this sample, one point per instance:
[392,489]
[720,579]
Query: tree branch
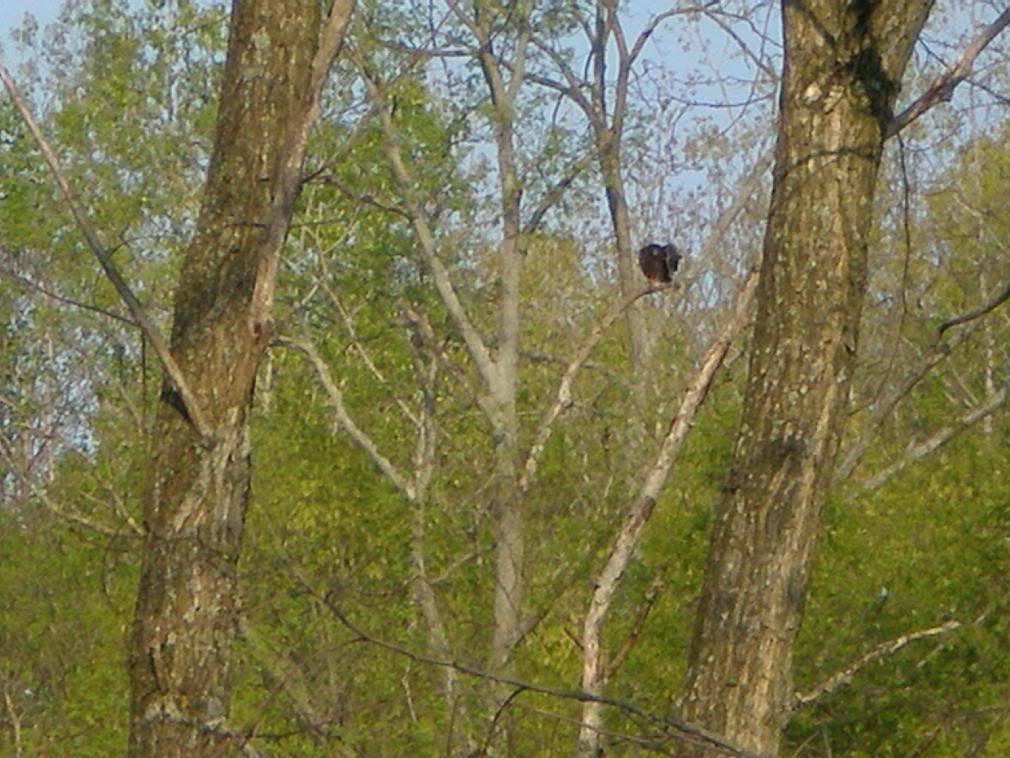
[938,440]
[344,420]
[678,728]
[426,334]
[883,650]
[855,452]
[640,510]
[563,399]
[936,353]
[33,285]
[964,318]
[655,590]
[133,305]
[440,275]
[942,88]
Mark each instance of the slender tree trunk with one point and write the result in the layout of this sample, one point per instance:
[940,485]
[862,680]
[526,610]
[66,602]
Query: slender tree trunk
[509,551]
[627,275]
[843,63]
[187,610]
[508,515]
[608,131]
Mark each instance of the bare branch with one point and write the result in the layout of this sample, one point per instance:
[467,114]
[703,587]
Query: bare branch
[678,728]
[133,305]
[54,508]
[287,675]
[640,510]
[553,195]
[33,285]
[917,452]
[362,440]
[425,332]
[659,18]
[563,399]
[758,61]
[936,353]
[855,452]
[360,350]
[331,40]
[964,318]
[883,650]
[440,275]
[942,88]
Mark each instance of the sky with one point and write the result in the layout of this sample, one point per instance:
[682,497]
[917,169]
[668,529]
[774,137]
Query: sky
[12,12]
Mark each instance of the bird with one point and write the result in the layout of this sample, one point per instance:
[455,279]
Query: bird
[658,262]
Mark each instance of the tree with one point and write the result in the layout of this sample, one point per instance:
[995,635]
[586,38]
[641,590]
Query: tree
[198,483]
[842,72]
[385,464]
[198,487]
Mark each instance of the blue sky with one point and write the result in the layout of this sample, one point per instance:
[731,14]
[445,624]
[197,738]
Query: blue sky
[12,12]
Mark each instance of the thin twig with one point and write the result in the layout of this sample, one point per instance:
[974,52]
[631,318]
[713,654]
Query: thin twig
[682,729]
[33,285]
[653,594]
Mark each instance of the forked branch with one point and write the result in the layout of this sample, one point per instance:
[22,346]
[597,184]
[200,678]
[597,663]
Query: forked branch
[563,399]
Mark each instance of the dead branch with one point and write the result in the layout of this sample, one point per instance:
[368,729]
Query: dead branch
[883,650]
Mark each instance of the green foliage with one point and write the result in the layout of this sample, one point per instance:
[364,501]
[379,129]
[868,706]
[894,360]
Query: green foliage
[130,104]
[62,634]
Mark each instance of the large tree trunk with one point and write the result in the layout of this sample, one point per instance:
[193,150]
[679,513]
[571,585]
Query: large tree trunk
[187,608]
[843,64]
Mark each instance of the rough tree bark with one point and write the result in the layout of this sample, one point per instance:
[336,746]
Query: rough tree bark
[843,65]
[187,611]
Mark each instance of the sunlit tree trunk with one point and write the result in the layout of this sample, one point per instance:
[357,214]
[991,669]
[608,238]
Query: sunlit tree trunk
[843,65]
[188,606]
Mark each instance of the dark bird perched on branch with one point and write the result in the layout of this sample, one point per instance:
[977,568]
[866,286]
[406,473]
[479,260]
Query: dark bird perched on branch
[658,262]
